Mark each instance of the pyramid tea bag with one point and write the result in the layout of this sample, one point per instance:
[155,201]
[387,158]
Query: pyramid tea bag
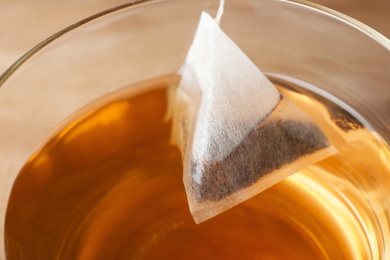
[238,135]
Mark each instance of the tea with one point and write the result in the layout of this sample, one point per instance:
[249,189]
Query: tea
[109,186]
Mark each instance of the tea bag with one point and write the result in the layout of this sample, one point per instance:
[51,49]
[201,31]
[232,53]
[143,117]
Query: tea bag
[238,135]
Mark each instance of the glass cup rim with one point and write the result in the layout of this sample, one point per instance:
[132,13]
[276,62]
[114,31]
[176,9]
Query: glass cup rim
[372,33]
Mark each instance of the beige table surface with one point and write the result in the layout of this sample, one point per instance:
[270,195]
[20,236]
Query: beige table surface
[24,23]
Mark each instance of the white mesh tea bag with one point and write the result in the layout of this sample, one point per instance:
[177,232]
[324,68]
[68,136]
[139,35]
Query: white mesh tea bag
[238,135]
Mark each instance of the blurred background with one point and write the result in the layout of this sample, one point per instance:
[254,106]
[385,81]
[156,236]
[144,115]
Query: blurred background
[25,23]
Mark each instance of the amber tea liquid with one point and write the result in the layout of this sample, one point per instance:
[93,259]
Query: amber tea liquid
[109,186]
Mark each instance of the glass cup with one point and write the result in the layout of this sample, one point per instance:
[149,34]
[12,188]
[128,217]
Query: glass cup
[295,41]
